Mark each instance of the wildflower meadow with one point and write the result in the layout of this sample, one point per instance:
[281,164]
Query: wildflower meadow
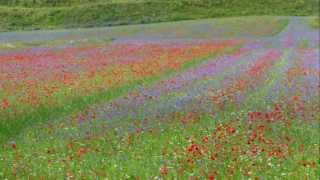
[226,98]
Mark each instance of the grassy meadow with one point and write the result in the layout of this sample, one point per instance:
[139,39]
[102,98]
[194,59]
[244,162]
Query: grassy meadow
[222,98]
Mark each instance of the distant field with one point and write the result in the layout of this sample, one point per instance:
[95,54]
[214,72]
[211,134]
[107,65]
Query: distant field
[39,14]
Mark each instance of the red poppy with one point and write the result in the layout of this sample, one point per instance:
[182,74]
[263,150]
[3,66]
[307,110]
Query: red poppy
[164,170]
[14,145]
[214,156]
[195,149]
[231,130]
[5,103]
[205,139]
[82,151]
[211,177]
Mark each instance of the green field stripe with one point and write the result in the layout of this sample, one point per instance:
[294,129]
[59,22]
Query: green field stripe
[273,77]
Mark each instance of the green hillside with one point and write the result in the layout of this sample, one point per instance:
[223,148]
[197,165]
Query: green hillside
[53,14]
[57,3]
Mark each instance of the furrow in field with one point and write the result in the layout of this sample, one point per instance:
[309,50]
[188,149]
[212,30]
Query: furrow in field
[158,100]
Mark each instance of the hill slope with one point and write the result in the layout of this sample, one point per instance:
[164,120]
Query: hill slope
[40,14]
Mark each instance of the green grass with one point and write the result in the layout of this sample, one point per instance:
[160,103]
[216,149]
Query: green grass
[315,22]
[42,154]
[59,3]
[106,13]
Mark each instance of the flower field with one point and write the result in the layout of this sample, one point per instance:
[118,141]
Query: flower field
[229,98]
